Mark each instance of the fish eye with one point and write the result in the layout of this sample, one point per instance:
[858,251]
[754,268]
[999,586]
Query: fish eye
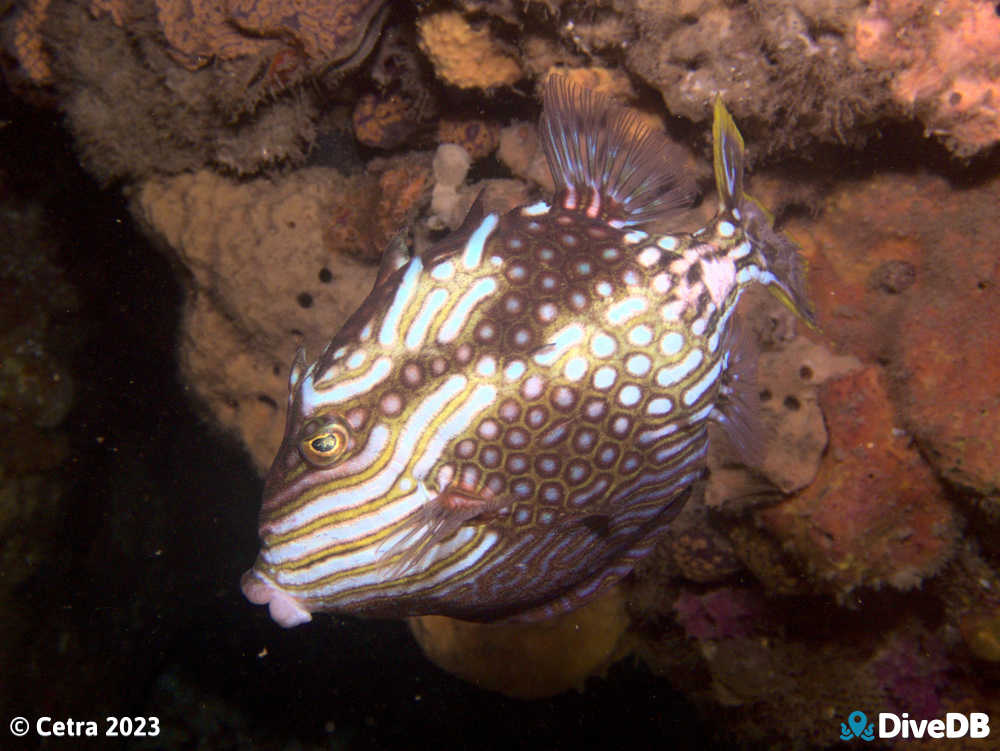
[324,445]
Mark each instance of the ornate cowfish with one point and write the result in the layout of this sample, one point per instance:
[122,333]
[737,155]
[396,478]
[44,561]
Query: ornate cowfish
[513,417]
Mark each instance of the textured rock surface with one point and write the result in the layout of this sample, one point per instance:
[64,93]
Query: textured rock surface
[944,65]
[875,513]
[263,283]
[464,55]
[970,591]
[951,367]
[793,73]
[521,152]
[42,329]
[368,209]
[949,362]
[791,366]
[287,36]
[182,85]
[27,42]
[691,50]
[479,138]
[904,272]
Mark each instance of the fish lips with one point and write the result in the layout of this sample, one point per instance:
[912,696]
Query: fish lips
[285,610]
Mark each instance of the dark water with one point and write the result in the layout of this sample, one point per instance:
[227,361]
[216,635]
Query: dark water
[134,609]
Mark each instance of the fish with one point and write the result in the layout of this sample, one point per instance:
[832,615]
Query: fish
[513,417]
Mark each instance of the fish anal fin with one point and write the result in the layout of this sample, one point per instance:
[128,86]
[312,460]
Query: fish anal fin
[737,408]
[606,162]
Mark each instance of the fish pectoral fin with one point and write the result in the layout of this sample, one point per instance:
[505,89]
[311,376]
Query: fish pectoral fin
[433,523]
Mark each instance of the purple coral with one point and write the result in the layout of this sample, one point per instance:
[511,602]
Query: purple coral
[723,613]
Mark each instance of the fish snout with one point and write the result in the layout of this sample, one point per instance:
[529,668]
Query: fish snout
[285,610]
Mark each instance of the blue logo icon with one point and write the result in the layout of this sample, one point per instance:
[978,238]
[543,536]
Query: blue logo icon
[859,727]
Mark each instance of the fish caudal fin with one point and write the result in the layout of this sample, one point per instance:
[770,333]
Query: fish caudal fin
[785,275]
[727,147]
[785,264]
[606,162]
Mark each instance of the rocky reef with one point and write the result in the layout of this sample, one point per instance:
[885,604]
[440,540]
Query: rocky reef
[272,151]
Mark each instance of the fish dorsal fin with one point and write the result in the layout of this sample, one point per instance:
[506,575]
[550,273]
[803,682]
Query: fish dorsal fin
[457,239]
[395,257]
[297,370]
[727,147]
[606,162]
[473,218]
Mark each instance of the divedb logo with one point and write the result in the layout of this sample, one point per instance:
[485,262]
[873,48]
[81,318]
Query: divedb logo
[954,725]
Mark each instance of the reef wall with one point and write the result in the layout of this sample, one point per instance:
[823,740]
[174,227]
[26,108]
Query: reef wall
[273,150]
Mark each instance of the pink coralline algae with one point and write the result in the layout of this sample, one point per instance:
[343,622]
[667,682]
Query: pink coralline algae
[724,613]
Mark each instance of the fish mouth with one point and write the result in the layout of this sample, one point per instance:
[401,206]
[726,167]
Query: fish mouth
[285,610]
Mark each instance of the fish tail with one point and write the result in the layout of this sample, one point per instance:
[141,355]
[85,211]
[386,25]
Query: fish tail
[728,152]
[785,268]
[606,162]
